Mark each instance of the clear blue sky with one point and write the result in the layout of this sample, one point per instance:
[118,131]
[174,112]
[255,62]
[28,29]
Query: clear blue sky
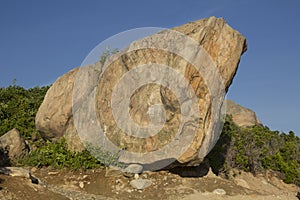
[41,40]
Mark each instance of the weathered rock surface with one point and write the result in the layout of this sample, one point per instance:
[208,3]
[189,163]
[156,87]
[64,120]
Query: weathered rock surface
[15,171]
[240,115]
[221,43]
[12,146]
[56,110]
[140,184]
[54,117]
[134,169]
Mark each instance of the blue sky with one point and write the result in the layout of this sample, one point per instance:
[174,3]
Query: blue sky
[41,40]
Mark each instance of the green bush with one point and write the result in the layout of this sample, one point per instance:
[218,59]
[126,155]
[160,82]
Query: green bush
[256,149]
[57,155]
[18,108]
[108,52]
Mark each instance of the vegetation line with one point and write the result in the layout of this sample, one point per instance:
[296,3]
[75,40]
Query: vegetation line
[253,149]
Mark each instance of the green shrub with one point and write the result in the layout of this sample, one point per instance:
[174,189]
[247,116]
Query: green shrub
[108,52]
[256,149]
[57,155]
[18,108]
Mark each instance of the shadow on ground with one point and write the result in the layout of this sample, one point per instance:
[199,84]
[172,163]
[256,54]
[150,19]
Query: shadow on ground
[216,160]
[192,172]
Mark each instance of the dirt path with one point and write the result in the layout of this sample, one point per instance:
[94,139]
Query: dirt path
[99,185]
[209,196]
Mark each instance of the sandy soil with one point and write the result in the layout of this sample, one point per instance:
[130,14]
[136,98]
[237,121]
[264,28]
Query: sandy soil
[101,184]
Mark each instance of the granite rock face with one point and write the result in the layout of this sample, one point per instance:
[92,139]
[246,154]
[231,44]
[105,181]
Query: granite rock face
[56,110]
[219,56]
[242,116]
[12,146]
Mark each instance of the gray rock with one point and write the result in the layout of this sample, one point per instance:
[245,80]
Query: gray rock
[134,169]
[12,146]
[219,191]
[140,184]
[240,115]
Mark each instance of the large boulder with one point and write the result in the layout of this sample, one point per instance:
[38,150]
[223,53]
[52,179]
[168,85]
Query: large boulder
[222,44]
[12,147]
[242,116]
[56,109]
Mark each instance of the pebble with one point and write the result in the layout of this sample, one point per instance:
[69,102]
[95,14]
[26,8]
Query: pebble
[140,184]
[219,191]
[136,176]
[84,176]
[145,175]
[81,184]
[52,173]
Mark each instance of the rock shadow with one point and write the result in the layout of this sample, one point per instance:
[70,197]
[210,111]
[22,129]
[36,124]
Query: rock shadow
[1,181]
[4,158]
[218,157]
[191,171]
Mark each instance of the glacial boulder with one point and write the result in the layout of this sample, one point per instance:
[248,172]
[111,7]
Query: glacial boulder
[205,52]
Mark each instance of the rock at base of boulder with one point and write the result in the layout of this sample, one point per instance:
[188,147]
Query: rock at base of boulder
[134,169]
[140,184]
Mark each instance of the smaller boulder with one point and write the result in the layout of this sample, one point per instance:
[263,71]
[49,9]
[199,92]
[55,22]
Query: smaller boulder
[12,146]
[134,169]
[242,116]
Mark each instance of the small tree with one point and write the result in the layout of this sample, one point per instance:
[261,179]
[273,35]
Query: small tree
[107,53]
